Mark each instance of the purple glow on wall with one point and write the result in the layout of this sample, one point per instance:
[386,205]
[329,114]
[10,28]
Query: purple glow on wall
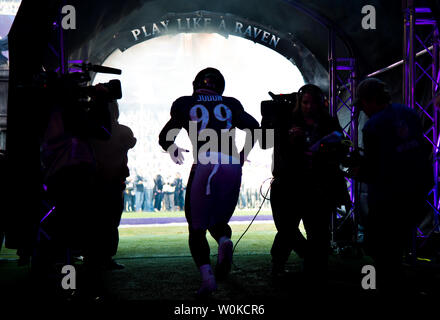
[437,82]
[72,70]
[343,68]
[106,131]
[421,233]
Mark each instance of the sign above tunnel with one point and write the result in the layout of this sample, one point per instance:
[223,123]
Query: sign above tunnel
[202,22]
[225,24]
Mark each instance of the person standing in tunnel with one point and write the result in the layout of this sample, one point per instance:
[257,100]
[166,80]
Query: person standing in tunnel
[112,170]
[214,182]
[398,171]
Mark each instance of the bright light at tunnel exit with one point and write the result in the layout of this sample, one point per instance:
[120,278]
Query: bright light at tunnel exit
[158,71]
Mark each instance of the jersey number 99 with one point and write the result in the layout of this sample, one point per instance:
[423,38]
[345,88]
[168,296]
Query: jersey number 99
[221,113]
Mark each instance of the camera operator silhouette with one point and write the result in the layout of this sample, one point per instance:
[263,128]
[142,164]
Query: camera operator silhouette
[307,184]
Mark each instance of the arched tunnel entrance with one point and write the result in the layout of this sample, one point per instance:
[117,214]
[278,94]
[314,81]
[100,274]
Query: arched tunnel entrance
[160,59]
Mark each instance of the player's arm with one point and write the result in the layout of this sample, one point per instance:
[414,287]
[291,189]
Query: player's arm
[168,135]
[247,123]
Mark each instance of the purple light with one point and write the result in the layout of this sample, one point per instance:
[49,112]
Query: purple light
[76,61]
[437,82]
[421,22]
[44,187]
[343,68]
[423,10]
[50,211]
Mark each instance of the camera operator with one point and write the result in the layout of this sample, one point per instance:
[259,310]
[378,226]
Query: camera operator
[398,171]
[75,114]
[308,183]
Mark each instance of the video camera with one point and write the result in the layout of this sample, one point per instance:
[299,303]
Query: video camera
[84,108]
[279,108]
[72,87]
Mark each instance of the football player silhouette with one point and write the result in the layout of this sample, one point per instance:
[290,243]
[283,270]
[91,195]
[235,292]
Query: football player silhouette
[214,183]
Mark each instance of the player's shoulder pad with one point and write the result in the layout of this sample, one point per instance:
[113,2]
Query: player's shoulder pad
[182,100]
[233,102]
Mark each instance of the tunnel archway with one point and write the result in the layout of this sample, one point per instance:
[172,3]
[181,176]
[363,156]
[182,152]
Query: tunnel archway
[210,23]
[120,37]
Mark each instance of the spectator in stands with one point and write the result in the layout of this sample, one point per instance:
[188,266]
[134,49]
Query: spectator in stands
[168,191]
[178,192]
[139,192]
[128,196]
[157,193]
[148,194]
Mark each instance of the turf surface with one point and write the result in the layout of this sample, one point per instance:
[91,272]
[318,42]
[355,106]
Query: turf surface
[159,267]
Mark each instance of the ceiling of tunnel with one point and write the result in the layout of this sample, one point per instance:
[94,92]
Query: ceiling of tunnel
[99,21]
[374,48]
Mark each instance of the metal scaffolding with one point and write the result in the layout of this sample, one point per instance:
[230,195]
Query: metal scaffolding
[342,91]
[421,33]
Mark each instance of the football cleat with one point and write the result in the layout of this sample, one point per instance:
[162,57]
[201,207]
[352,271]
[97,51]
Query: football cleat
[224,259]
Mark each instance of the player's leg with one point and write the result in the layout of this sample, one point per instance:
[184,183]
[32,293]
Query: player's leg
[317,224]
[222,233]
[225,191]
[197,226]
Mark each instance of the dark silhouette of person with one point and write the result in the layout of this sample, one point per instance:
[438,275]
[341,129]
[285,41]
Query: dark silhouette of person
[112,170]
[178,192]
[214,183]
[158,193]
[139,186]
[128,197]
[69,172]
[307,183]
[398,172]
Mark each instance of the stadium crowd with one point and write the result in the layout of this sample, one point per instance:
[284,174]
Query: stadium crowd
[145,192]
[150,194]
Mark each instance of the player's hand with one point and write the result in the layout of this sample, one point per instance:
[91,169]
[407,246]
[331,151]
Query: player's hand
[176,154]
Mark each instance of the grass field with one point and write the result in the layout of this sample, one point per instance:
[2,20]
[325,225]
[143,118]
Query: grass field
[159,267]
[173,241]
